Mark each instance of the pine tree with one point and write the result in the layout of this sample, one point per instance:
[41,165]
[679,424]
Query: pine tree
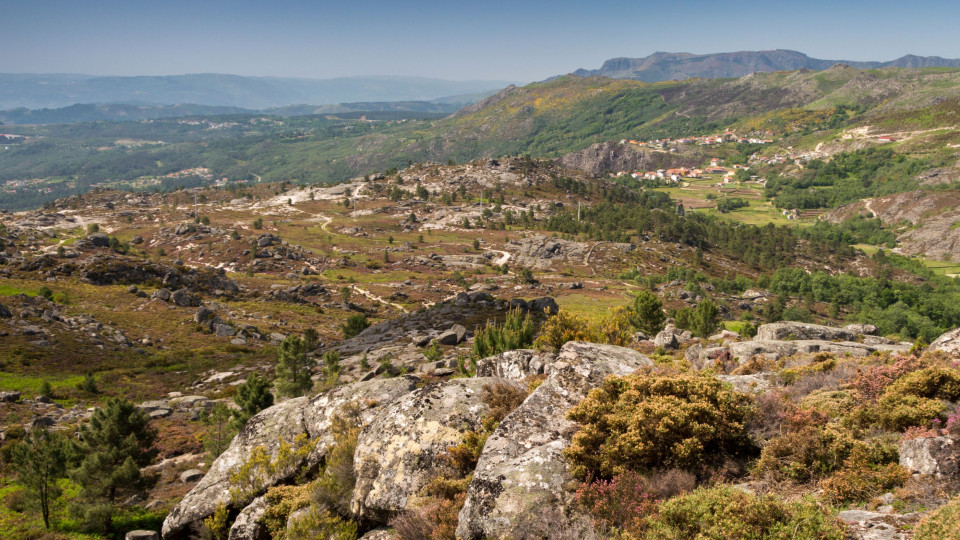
[647,313]
[252,396]
[293,368]
[115,445]
[39,461]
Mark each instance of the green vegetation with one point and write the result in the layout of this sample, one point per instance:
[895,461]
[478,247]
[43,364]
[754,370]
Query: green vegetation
[252,397]
[355,324]
[294,369]
[726,512]
[516,332]
[847,177]
[645,421]
[113,447]
[647,314]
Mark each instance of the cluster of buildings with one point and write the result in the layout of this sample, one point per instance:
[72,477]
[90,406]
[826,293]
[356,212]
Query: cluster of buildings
[11,186]
[676,175]
[725,137]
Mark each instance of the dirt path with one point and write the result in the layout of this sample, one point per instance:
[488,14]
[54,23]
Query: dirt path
[380,299]
[504,257]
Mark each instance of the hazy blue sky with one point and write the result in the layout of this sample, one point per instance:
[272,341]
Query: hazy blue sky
[485,39]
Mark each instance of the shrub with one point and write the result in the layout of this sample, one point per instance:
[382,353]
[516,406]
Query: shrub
[726,512]
[942,523]
[318,523]
[621,502]
[250,478]
[869,471]
[433,352]
[897,412]
[355,324]
[935,382]
[813,452]
[333,489]
[643,421]
[515,333]
[563,327]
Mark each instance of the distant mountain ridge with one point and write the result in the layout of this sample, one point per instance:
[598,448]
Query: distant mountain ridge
[119,112]
[664,66]
[39,91]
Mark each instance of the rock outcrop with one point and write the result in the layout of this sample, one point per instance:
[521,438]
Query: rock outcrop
[285,421]
[400,451]
[797,330]
[933,456]
[522,469]
[516,365]
[949,342]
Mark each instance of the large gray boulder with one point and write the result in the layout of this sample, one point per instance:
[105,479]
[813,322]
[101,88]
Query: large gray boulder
[933,456]
[772,350]
[400,451]
[522,470]
[247,526]
[284,421]
[517,364]
[797,330]
[949,342]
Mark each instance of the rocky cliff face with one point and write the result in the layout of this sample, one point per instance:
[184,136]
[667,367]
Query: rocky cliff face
[612,156]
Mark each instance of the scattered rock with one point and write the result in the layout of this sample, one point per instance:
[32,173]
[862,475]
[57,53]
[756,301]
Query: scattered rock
[453,336]
[142,535]
[932,456]
[9,397]
[947,342]
[247,526]
[191,475]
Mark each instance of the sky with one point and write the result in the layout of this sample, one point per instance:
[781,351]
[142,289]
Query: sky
[518,41]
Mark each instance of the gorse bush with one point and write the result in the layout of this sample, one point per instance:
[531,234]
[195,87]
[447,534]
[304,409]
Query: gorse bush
[810,453]
[911,392]
[940,524]
[645,421]
[516,332]
[726,512]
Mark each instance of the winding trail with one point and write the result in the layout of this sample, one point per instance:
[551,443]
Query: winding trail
[380,299]
[867,204]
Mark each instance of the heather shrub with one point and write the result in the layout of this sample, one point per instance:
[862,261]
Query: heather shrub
[804,455]
[726,512]
[941,524]
[621,502]
[645,421]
